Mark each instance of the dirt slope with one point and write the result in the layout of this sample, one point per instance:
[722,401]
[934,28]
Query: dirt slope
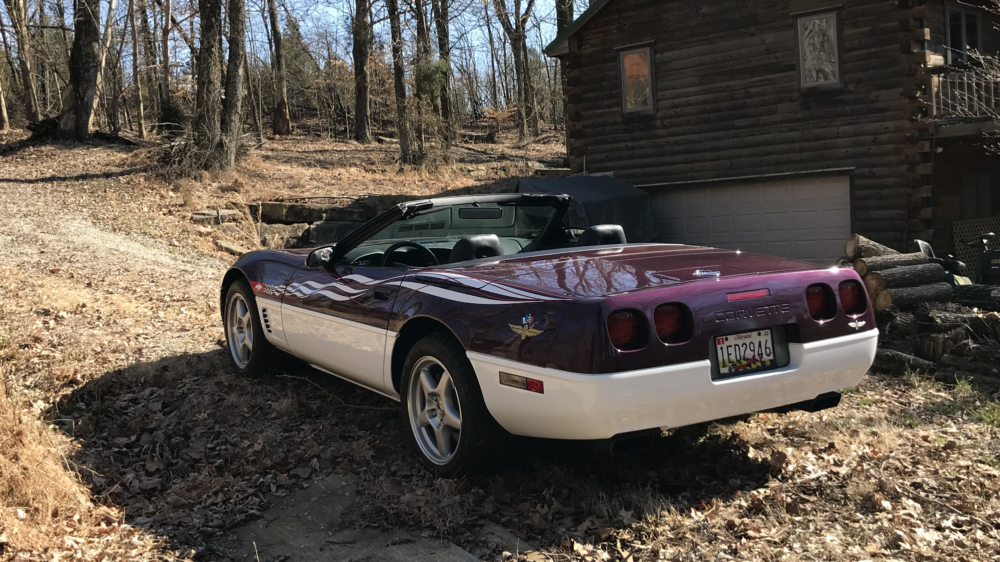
[109,326]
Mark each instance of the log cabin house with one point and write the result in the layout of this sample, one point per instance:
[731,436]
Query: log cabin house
[782,126]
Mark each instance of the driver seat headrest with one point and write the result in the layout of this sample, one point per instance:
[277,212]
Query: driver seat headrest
[476,247]
[601,234]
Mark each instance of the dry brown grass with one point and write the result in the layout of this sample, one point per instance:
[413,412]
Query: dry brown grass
[44,507]
[36,489]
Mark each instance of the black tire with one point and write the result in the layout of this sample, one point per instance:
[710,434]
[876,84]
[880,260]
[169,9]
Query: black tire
[259,358]
[481,439]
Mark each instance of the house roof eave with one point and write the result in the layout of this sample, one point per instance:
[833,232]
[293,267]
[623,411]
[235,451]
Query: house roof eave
[560,45]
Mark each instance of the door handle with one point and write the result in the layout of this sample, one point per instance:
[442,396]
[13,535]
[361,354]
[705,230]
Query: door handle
[382,293]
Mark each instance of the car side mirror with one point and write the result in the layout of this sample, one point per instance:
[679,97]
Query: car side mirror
[320,257]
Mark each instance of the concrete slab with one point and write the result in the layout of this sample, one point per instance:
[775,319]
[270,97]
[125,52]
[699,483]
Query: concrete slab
[305,526]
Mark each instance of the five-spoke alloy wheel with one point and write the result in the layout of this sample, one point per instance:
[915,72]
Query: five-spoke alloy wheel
[435,410]
[453,432]
[239,330]
[249,350]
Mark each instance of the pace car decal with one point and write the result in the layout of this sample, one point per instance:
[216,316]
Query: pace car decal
[273,290]
[527,328]
[488,292]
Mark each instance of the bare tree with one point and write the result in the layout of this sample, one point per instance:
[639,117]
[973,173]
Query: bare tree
[105,46]
[564,17]
[18,12]
[165,52]
[209,95]
[399,84]
[136,75]
[441,20]
[362,50]
[4,120]
[517,35]
[232,108]
[281,123]
[84,68]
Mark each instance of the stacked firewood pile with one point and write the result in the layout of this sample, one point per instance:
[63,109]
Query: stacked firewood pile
[946,340]
[921,329]
[895,279]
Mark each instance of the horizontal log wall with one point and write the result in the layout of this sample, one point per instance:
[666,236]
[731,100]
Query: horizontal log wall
[729,103]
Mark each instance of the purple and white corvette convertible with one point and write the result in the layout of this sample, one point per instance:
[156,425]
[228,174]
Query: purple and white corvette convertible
[483,314]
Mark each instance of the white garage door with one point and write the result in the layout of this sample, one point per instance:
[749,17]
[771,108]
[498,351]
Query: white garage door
[805,219]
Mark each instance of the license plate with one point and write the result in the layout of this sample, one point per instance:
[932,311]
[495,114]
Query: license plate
[749,352]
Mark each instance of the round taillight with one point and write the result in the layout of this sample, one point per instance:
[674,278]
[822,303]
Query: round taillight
[852,298]
[673,323]
[626,330]
[821,303]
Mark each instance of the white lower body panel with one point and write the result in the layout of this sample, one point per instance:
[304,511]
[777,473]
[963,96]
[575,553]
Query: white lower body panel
[581,406]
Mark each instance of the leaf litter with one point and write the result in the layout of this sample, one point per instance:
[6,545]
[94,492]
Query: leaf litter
[109,333]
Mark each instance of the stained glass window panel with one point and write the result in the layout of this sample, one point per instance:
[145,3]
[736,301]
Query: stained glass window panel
[636,87]
[818,49]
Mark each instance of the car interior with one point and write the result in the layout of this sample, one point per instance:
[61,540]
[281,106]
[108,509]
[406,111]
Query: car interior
[475,231]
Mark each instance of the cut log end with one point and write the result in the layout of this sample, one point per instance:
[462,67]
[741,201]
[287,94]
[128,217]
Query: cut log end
[858,246]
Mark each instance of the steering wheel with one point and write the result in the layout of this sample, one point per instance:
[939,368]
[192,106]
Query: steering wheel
[427,253]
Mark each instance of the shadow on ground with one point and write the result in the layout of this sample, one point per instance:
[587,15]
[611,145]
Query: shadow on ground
[211,460]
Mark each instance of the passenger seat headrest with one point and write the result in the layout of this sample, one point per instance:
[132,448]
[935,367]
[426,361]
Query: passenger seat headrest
[601,234]
[476,247]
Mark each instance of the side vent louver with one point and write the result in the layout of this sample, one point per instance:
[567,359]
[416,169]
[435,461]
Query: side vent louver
[267,320]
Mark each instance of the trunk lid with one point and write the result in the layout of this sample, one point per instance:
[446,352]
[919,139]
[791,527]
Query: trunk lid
[615,270]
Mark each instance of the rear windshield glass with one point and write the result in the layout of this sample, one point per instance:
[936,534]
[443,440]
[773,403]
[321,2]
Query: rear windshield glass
[514,221]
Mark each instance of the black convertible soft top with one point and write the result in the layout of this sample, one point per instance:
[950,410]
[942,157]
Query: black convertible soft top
[600,200]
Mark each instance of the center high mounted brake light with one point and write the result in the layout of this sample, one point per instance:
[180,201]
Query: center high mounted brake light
[746,295]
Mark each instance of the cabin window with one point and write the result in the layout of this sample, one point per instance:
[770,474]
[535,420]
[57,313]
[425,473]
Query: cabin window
[637,84]
[818,58]
[963,34]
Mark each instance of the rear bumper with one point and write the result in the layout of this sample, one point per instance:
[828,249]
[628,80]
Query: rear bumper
[580,406]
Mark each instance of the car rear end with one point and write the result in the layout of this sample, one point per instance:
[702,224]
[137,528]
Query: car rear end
[696,351]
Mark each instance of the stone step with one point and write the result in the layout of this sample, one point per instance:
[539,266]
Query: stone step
[215,216]
[328,232]
[375,204]
[291,213]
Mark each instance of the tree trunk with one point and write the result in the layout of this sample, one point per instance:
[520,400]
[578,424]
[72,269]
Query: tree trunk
[232,108]
[165,53]
[84,68]
[105,46]
[18,12]
[441,19]
[209,96]
[858,246]
[908,297]
[140,110]
[530,105]
[564,17]
[282,123]
[423,94]
[148,57]
[399,84]
[363,39]
[8,52]
[4,120]
[906,276]
[494,94]
[877,263]
[517,35]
